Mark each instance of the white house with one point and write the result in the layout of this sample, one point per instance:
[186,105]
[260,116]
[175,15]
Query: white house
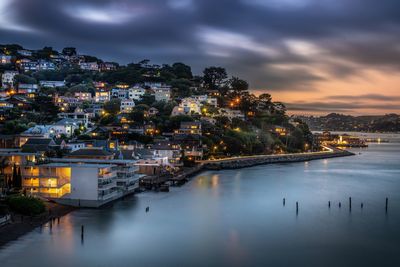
[187,106]
[83,96]
[7,79]
[102,96]
[52,84]
[127,105]
[136,93]
[92,66]
[162,93]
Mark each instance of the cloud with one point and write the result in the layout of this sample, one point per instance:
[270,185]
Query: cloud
[281,46]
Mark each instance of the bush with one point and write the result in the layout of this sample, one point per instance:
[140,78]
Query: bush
[26,205]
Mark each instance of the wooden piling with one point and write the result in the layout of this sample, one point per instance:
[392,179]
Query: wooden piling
[340,205]
[386,206]
[147,209]
[284,201]
[350,203]
[362,205]
[297,207]
[82,231]
[329,203]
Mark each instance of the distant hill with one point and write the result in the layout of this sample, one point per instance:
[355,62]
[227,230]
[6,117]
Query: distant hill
[341,122]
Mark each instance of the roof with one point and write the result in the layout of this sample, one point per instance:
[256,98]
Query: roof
[93,151]
[67,121]
[39,141]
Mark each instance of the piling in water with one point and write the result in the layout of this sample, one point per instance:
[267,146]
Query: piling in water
[284,201]
[147,209]
[362,205]
[82,231]
[340,205]
[350,203]
[297,207]
[386,206]
[329,203]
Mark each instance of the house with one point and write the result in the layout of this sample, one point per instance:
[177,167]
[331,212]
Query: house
[91,66]
[73,146]
[81,185]
[7,79]
[231,113]
[38,145]
[107,66]
[120,93]
[91,153]
[4,105]
[136,93]
[169,149]
[14,157]
[78,115]
[65,126]
[27,88]
[162,93]
[188,106]
[152,111]
[152,166]
[83,96]
[27,65]
[51,84]
[127,105]
[45,65]
[102,96]
[5,59]
[25,52]
[189,128]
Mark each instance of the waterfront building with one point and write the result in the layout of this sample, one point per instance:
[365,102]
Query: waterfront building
[84,185]
[127,171]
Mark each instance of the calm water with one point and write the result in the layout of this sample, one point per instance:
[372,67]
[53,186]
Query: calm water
[236,218]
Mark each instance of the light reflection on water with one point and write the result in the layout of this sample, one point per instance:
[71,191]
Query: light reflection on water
[236,218]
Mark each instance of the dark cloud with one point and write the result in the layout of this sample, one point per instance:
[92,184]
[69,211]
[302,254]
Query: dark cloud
[285,45]
[338,106]
[374,97]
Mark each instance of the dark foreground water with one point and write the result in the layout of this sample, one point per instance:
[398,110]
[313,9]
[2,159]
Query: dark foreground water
[236,218]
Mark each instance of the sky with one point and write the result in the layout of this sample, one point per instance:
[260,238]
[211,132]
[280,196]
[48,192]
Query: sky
[316,56]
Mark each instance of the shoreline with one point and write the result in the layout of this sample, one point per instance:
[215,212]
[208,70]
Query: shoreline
[22,225]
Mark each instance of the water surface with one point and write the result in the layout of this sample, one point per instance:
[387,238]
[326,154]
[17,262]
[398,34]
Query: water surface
[236,218]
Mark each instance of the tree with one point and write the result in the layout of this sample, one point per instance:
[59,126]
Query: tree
[213,77]
[113,106]
[182,71]
[238,85]
[22,78]
[69,51]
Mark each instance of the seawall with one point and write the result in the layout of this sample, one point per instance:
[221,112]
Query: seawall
[249,161]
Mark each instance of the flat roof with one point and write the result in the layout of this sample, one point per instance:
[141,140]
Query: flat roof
[76,165]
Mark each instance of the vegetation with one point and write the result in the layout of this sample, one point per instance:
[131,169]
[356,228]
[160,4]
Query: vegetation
[26,205]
